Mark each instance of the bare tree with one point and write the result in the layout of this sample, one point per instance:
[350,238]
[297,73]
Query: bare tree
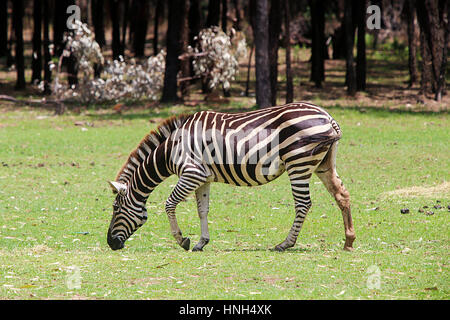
[349,42]
[3,28]
[410,17]
[18,12]
[261,35]
[213,13]
[274,34]
[173,50]
[140,12]
[318,42]
[98,22]
[287,37]
[36,57]
[435,35]
[46,43]
[159,12]
[361,61]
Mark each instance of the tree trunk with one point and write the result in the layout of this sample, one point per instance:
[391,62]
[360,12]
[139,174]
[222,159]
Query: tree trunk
[224,15]
[349,36]
[237,22]
[440,90]
[194,20]
[115,21]
[140,18]
[318,42]
[18,13]
[261,35]
[274,34]
[36,57]
[173,51]
[47,56]
[289,84]
[98,22]
[213,13]
[426,74]
[249,66]
[125,17]
[184,43]
[158,14]
[361,64]
[3,28]
[410,16]
[432,44]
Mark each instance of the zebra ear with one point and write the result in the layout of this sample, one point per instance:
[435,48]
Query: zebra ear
[118,187]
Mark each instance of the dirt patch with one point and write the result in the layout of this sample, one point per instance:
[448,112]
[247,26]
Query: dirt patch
[441,190]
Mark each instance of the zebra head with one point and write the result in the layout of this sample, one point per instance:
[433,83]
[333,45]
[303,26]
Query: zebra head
[126,218]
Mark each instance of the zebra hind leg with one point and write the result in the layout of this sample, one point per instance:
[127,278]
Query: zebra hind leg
[202,196]
[328,175]
[300,190]
[189,181]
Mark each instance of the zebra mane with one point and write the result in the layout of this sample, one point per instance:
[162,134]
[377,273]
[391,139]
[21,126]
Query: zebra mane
[149,143]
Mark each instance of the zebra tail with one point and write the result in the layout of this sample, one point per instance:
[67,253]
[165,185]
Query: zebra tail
[328,140]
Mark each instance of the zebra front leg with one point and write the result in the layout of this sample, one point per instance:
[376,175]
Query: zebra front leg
[189,181]
[202,195]
[302,200]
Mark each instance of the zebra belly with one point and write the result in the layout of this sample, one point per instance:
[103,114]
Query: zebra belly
[247,173]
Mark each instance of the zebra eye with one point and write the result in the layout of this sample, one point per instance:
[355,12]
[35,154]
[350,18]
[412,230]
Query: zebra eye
[116,207]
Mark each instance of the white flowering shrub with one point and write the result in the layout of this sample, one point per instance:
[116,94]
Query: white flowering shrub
[119,80]
[216,57]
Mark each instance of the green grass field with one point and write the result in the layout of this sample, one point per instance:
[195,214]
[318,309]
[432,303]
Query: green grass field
[55,208]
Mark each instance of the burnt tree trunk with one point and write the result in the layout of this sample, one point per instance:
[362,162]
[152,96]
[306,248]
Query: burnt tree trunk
[36,57]
[3,28]
[173,51]
[426,79]
[318,42]
[125,17]
[349,39]
[98,22]
[274,34]
[361,61]
[140,18]
[159,11]
[213,13]
[18,13]
[410,17]
[434,31]
[184,43]
[237,21]
[194,20]
[224,15]
[115,21]
[46,44]
[287,36]
[261,35]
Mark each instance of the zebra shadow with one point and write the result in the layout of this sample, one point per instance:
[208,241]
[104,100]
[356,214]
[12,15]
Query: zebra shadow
[301,250]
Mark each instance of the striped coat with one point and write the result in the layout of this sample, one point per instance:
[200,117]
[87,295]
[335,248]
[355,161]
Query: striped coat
[242,149]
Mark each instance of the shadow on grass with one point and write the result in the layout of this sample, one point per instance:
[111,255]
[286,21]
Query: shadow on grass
[266,250]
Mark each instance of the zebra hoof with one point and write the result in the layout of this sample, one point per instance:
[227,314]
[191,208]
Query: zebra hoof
[196,248]
[278,248]
[186,243]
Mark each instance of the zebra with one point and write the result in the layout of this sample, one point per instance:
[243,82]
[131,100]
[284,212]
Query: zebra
[242,149]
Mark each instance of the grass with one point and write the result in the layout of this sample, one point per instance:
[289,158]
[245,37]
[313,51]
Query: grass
[55,207]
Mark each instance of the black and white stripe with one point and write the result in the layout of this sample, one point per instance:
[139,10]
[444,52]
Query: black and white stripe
[242,149]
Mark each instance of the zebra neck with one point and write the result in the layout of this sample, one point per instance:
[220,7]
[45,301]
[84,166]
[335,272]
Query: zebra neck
[147,176]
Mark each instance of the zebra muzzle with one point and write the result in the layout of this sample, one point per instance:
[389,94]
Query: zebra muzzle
[115,242]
